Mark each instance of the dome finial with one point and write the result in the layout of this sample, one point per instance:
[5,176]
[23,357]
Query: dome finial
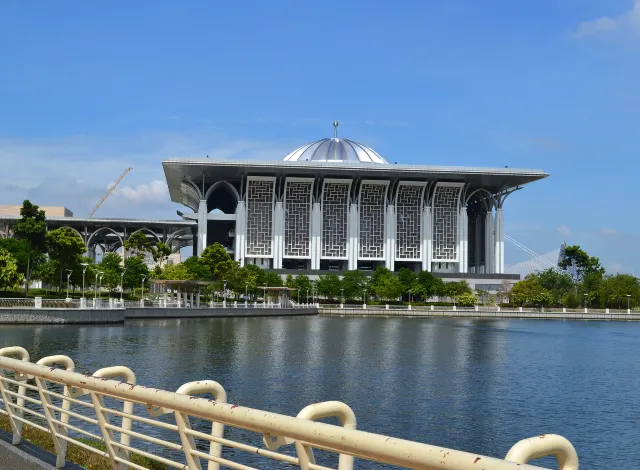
[335,129]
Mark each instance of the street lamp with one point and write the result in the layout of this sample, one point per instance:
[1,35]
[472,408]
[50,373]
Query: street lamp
[68,276]
[95,288]
[628,302]
[246,291]
[341,297]
[100,284]
[224,294]
[144,278]
[585,300]
[307,297]
[409,299]
[122,285]
[364,297]
[86,265]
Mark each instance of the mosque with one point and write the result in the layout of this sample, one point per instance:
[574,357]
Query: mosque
[336,205]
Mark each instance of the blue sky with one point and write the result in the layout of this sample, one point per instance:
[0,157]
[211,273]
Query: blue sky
[87,89]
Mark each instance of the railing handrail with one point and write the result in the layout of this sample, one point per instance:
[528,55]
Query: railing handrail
[342,440]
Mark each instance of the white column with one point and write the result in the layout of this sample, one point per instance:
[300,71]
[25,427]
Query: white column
[499,242]
[202,226]
[241,232]
[477,245]
[488,243]
[278,235]
[463,229]
[427,229]
[316,235]
[354,235]
[390,230]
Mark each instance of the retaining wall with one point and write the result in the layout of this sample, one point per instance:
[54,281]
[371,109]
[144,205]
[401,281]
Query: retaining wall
[61,315]
[157,312]
[473,314]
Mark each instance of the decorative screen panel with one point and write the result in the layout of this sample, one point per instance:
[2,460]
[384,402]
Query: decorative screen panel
[259,217]
[335,210]
[408,212]
[445,223]
[297,215]
[372,206]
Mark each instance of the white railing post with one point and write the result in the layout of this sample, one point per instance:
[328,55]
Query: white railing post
[217,429]
[16,424]
[38,302]
[107,434]
[187,440]
[55,429]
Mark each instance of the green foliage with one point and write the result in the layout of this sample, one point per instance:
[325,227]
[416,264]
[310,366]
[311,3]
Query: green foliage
[138,244]
[467,300]
[579,263]
[32,229]
[408,279]
[218,261]
[9,275]
[19,249]
[303,285]
[111,266]
[329,286]
[161,253]
[426,285]
[65,247]
[530,293]
[454,289]
[354,284]
[135,270]
[198,269]
[385,285]
[272,279]
[178,272]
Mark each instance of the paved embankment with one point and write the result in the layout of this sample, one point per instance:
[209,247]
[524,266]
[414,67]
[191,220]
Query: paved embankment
[158,312]
[600,316]
[60,315]
[79,316]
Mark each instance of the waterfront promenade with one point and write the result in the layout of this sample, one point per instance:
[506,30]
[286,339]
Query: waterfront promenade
[64,315]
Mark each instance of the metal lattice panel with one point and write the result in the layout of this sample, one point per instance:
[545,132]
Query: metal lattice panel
[408,226]
[297,215]
[372,206]
[259,217]
[335,210]
[445,223]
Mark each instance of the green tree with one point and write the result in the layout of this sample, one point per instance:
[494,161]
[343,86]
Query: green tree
[288,282]
[19,249]
[329,286]
[111,266]
[255,277]
[31,228]
[559,284]
[579,264]
[387,286]
[138,244]
[426,285]
[220,264]
[135,270]
[199,270]
[179,272]
[408,280]
[160,253]
[272,279]
[9,275]
[467,300]
[47,272]
[65,247]
[302,284]
[354,284]
[529,292]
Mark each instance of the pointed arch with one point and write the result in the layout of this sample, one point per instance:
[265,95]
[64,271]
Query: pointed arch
[490,196]
[100,230]
[75,230]
[148,231]
[226,204]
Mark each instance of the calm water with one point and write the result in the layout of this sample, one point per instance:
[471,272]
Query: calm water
[478,386]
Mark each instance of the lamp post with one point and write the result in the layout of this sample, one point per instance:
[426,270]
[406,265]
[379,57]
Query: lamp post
[409,299]
[144,278]
[342,297]
[364,298]
[100,284]
[307,297]
[86,266]
[68,276]
[224,294]
[264,295]
[122,285]
[95,288]
[628,303]
[585,300]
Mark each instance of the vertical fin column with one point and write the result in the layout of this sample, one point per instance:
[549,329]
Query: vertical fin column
[202,226]
[241,232]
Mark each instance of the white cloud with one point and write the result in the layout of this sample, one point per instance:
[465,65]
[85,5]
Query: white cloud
[153,192]
[609,232]
[564,230]
[76,171]
[628,22]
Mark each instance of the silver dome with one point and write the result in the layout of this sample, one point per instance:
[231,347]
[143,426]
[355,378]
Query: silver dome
[335,150]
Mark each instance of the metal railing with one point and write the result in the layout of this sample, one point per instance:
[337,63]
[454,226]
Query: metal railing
[183,429]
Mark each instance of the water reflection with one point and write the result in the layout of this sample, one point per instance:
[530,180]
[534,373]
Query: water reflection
[477,385]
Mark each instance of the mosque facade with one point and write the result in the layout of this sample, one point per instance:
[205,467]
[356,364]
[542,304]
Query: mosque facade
[335,204]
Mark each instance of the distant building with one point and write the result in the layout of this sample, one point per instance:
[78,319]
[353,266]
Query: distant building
[49,211]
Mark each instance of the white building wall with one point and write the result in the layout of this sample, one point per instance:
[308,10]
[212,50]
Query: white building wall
[427,250]
[390,248]
[241,234]
[278,234]
[354,233]
[202,226]
[316,235]
[463,227]
[488,244]
[499,242]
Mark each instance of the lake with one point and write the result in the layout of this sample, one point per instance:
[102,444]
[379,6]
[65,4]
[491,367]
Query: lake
[473,385]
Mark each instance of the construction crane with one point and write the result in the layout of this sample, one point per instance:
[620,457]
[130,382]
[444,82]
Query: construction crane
[110,190]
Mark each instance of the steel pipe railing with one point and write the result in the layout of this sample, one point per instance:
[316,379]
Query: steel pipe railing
[180,446]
